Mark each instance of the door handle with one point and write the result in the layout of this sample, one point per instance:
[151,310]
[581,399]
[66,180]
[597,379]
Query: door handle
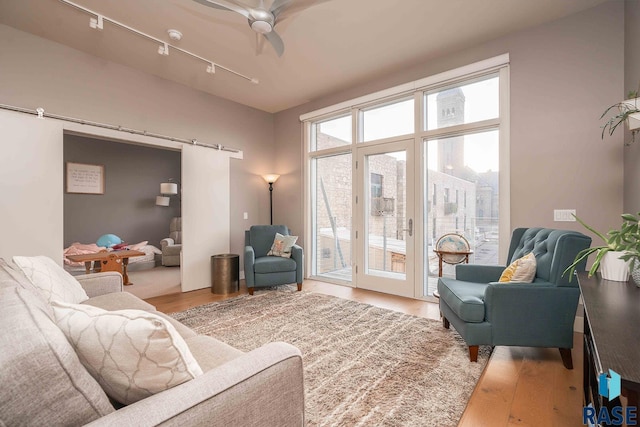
[410,229]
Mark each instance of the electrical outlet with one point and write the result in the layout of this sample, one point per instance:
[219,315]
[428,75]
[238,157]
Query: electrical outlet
[246,215]
[564,214]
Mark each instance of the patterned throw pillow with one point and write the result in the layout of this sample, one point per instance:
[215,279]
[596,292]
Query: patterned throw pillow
[131,353]
[52,280]
[522,270]
[282,245]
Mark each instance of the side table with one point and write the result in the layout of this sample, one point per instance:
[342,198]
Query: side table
[225,274]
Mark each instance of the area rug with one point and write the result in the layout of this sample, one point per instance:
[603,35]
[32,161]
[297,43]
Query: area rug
[363,365]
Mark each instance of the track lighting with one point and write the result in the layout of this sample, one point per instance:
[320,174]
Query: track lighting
[163,49]
[96,23]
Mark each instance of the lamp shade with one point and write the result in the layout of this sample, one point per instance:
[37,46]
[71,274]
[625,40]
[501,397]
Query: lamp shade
[162,201]
[271,178]
[168,188]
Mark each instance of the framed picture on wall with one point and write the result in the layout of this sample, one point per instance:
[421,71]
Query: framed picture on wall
[83,178]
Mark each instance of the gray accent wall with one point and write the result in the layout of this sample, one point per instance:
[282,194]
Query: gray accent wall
[127,208]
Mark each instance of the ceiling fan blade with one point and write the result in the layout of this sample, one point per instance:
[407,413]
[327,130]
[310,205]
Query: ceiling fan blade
[282,9]
[231,5]
[275,41]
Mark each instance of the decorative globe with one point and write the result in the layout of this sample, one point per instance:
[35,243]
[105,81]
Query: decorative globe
[108,240]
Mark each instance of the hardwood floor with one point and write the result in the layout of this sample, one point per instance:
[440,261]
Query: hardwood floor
[520,386]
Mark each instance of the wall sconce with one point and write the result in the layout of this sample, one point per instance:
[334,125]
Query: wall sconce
[271,178]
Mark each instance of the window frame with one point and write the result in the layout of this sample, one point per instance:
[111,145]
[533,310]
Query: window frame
[418,89]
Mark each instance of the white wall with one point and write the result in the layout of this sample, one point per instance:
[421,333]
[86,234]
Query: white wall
[31,184]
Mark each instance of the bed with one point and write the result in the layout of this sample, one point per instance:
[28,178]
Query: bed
[152,256]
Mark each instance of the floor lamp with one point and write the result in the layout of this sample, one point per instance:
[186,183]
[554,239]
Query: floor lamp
[271,178]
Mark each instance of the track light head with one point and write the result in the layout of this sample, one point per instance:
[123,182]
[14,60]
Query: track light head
[163,49]
[96,23]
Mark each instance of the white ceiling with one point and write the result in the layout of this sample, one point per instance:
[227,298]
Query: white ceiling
[328,47]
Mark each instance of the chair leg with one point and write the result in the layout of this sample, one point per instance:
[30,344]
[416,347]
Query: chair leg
[250,291]
[567,361]
[445,322]
[299,287]
[473,353]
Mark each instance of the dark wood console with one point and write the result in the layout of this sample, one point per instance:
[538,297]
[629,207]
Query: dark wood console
[611,337]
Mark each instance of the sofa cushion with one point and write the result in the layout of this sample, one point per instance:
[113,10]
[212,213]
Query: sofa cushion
[131,353]
[119,301]
[13,276]
[271,264]
[43,381]
[126,301]
[466,299]
[211,353]
[51,279]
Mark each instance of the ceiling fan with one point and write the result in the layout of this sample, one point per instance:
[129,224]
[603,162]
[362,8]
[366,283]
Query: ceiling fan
[263,20]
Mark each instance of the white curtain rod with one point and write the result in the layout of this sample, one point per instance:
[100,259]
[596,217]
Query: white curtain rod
[41,113]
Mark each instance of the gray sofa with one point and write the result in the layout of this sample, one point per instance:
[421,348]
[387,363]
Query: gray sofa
[44,383]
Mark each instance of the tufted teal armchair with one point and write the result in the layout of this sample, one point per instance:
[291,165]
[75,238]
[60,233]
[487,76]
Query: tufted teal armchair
[538,314]
[261,270]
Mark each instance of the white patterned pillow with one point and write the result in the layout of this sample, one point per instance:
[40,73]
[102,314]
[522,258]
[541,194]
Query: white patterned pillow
[131,353]
[51,279]
[282,245]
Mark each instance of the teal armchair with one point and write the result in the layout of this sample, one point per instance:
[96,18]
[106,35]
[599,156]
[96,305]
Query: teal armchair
[537,314]
[261,270]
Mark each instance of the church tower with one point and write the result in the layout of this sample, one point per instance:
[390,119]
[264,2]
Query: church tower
[450,106]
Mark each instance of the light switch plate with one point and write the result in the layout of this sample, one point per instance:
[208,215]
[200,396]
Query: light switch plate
[564,214]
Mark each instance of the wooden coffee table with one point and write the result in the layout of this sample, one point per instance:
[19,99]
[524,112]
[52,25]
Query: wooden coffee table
[107,261]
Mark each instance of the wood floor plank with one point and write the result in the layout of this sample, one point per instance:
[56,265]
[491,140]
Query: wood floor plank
[520,386]
[490,403]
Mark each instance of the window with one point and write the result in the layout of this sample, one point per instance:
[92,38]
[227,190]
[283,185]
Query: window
[331,133]
[462,104]
[456,122]
[331,211]
[388,120]
[376,185]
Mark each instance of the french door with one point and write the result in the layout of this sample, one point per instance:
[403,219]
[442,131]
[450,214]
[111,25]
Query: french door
[385,229]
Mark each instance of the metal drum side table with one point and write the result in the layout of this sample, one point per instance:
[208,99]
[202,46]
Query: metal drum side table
[225,274]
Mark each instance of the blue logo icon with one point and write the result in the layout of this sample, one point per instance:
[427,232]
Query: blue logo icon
[609,385]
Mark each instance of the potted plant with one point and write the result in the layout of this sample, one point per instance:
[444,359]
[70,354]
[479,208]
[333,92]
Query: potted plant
[624,110]
[620,251]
